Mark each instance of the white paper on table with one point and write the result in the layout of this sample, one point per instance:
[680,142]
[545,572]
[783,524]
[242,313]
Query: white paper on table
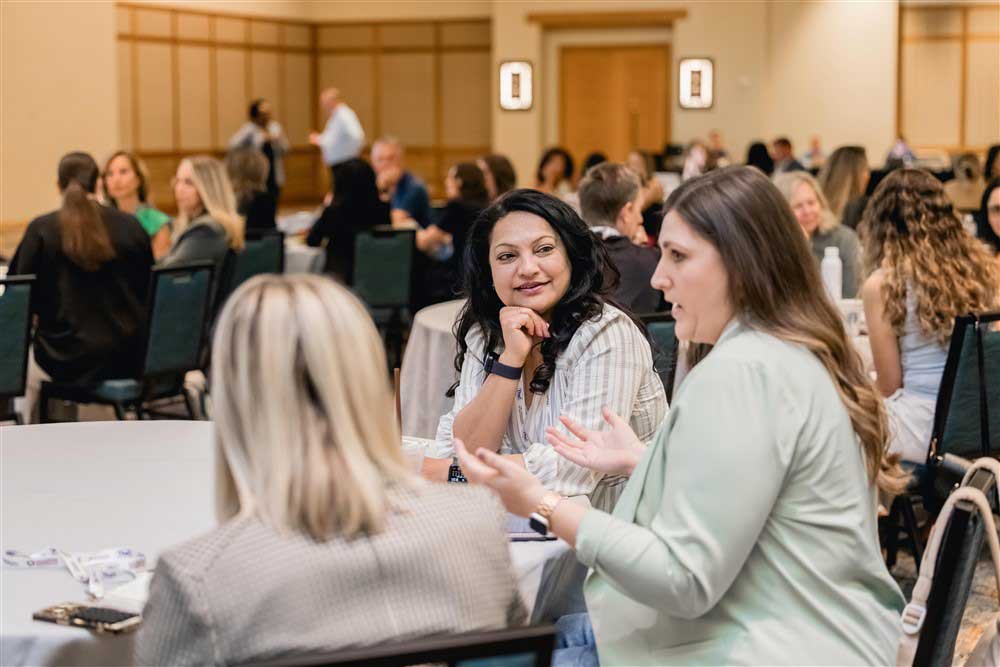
[129,597]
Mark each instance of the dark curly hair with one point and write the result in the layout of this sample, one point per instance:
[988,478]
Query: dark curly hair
[984,232]
[549,155]
[592,277]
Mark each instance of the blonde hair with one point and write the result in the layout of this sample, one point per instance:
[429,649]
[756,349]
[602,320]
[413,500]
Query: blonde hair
[305,430]
[775,287]
[217,197]
[841,177]
[911,232]
[788,181]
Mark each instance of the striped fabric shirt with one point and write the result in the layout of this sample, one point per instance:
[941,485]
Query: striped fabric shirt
[607,363]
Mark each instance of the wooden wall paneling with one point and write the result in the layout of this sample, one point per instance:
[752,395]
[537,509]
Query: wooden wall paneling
[151,22]
[193,26]
[266,80]
[377,129]
[300,172]
[175,79]
[408,105]
[354,76]
[213,87]
[123,16]
[984,21]
[466,100]
[231,30]
[931,22]
[403,35]
[982,110]
[126,137]
[298,36]
[161,169]
[231,92]
[298,97]
[422,161]
[264,32]
[438,103]
[154,96]
[931,80]
[345,37]
[472,33]
[195,95]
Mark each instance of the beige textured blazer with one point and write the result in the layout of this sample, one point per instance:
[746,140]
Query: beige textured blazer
[243,592]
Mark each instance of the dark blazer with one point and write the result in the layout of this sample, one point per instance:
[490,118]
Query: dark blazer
[259,210]
[90,323]
[636,265]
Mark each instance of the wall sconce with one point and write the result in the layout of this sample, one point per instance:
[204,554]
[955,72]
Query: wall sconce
[697,83]
[515,85]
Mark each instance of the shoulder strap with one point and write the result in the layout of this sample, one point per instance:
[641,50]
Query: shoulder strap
[984,418]
[916,611]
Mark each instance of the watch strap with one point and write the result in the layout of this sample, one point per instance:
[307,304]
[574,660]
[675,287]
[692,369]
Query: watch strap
[494,367]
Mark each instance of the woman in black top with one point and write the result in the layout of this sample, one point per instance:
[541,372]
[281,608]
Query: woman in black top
[92,265]
[356,207]
[442,244]
[248,170]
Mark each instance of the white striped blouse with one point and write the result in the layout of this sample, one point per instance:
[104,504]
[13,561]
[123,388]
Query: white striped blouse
[607,363]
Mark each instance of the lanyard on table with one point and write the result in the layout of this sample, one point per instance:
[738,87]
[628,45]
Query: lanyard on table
[88,568]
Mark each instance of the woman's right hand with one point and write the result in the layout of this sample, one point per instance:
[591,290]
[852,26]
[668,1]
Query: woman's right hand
[520,326]
[614,452]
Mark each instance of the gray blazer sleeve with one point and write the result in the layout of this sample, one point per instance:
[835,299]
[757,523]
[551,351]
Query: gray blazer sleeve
[850,253]
[199,243]
[176,628]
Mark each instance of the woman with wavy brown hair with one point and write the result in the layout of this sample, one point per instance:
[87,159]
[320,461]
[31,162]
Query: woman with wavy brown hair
[926,270]
[747,531]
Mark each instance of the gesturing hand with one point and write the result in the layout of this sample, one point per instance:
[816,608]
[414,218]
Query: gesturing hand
[519,490]
[519,326]
[614,452]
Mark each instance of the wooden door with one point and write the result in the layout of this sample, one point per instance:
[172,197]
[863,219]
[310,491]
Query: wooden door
[614,99]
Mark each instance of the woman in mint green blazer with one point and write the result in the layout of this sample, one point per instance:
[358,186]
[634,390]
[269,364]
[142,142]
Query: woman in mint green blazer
[747,531]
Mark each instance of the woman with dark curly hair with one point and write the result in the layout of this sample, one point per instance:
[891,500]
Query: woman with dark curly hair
[926,270]
[537,339]
[555,172]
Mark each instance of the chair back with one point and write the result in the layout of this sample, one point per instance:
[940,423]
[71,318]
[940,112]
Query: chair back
[264,252]
[15,333]
[180,297]
[964,424]
[383,267]
[954,570]
[664,341]
[514,647]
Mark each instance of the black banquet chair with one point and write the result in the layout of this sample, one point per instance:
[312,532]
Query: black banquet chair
[179,302]
[664,341]
[383,279]
[15,337]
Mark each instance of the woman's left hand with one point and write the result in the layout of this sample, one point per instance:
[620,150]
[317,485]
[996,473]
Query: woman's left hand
[519,490]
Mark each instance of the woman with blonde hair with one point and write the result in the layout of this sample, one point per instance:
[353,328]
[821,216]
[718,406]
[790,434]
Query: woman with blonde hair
[746,534]
[843,179]
[343,544]
[207,225]
[821,226]
[926,270]
[125,182]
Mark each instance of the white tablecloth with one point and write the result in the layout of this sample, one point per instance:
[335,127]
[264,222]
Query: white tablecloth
[147,485]
[428,368]
[300,258]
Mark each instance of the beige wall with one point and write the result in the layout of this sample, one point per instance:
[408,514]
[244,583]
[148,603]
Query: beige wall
[59,94]
[289,9]
[832,73]
[381,10]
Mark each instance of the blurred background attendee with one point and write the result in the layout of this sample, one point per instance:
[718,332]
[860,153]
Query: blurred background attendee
[355,207]
[695,160]
[207,226]
[555,172]
[343,136]
[406,194]
[900,154]
[592,160]
[264,133]
[316,504]
[784,156]
[966,189]
[844,180]
[247,169]
[925,271]
[991,168]
[758,156]
[652,193]
[498,173]
[718,156]
[92,268]
[988,217]
[125,182]
[442,244]
[821,226]
[611,202]
[815,156]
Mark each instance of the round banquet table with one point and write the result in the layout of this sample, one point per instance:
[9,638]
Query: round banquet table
[146,485]
[429,368]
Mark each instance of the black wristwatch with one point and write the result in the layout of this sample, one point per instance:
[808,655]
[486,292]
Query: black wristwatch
[494,367]
[455,475]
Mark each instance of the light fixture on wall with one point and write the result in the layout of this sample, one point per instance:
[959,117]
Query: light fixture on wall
[697,83]
[515,85]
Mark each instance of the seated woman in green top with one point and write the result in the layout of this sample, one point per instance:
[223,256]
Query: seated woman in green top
[747,531]
[125,182]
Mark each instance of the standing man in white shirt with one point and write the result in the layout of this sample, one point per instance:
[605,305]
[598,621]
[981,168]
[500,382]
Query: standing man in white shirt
[343,136]
[265,134]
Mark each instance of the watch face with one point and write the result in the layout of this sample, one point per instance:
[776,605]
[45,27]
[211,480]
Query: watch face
[455,474]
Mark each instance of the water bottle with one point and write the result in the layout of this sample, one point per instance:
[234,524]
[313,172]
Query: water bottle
[832,270]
